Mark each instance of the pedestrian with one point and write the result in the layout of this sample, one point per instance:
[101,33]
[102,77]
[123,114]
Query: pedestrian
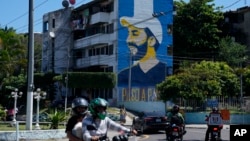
[123,115]
[10,114]
[74,124]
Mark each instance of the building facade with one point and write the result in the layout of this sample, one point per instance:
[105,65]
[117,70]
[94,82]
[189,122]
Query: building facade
[131,38]
[236,25]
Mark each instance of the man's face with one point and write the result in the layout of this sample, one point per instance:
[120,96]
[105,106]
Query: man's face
[137,42]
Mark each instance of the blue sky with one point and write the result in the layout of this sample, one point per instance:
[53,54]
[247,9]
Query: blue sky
[14,13]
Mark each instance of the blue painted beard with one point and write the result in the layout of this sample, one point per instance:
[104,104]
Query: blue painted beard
[141,51]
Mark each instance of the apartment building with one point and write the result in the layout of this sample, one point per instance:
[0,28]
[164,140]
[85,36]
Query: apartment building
[131,38]
[236,24]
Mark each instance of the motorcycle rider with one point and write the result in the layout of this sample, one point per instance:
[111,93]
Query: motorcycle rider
[214,113]
[175,117]
[96,126]
[74,125]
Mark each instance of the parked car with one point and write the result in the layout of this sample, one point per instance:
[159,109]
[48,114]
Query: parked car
[146,121]
[43,117]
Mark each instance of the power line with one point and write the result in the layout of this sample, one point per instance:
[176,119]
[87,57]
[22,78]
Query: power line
[231,4]
[22,28]
[26,13]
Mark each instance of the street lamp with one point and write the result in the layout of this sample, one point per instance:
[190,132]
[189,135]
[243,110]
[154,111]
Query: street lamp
[15,95]
[38,94]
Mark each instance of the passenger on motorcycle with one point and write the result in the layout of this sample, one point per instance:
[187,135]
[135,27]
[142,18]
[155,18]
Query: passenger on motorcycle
[175,117]
[74,125]
[96,126]
[213,120]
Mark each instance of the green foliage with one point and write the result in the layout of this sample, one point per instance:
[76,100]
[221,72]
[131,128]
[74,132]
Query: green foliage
[12,53]
[56,117]
[196,33]
[231,52]
[15,81]
[42,79]
[91,79]
[246,81]
[200,80]
[2,113]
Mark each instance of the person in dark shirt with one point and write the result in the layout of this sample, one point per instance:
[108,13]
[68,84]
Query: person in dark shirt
[74,124]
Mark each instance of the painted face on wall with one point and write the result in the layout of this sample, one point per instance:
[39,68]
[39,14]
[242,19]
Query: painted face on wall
[137,40]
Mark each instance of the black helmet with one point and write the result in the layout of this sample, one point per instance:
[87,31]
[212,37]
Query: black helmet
[175,109]
[215,109]
[79,102]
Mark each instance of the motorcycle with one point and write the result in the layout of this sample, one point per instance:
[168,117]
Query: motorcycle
[214,131]
[121,137]
[215,134]
[174,133]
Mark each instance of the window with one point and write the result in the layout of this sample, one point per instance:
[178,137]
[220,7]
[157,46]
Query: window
[53,23]
[110,28]
[90,52]
[98,51]
[102,51]
[110,49]
[45,26]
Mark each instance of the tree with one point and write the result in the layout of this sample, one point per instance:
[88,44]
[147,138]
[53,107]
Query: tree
[200,80]
[12,53]
[196,34]
[231,52]
[246,82]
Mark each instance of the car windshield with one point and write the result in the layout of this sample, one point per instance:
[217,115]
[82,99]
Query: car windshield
[154,114]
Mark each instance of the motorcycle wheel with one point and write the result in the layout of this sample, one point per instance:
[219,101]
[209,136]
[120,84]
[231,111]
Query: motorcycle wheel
[213,138]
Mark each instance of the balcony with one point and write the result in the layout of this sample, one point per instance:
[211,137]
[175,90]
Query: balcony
[99,17]
[92,40]
[93,61]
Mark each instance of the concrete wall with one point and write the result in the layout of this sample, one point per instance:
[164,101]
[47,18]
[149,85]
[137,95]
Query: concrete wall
[199,118]
[144,106]
[32,135]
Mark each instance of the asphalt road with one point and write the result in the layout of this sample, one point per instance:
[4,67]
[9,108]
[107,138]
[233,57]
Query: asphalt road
[193,134]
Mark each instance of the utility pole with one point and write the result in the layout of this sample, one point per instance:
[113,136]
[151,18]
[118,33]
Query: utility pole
[129,75]
[30,87]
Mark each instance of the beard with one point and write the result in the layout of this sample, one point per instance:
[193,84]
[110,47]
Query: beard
[140,52]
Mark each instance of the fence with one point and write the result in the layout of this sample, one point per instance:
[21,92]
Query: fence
[230,103]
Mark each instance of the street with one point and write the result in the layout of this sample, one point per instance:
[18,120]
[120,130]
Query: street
[193,134]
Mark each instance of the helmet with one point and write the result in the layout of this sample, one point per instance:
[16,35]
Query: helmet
[94,104]
[215,109]
[79,102]
[175,109]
